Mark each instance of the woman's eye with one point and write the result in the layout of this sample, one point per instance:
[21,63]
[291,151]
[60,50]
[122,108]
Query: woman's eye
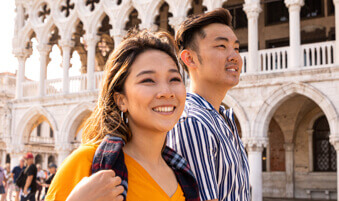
[176,79]
[147,81]
[222,46]
[236,49]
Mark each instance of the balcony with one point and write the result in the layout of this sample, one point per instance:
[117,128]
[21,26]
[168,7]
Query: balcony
[276,59]
[315,55]
[40,140]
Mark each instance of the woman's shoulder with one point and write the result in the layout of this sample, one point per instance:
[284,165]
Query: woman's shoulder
[75,167]
[86,150]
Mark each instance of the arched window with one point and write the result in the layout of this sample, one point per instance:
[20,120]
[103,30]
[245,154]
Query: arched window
[8,158]
[38,159]
[324,157]
[51,159]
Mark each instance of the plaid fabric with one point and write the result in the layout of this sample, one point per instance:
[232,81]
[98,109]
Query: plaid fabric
[109,155]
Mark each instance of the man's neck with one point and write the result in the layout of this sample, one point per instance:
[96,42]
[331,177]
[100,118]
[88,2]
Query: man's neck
[213,94]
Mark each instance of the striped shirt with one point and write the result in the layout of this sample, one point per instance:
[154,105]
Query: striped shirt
[210,143]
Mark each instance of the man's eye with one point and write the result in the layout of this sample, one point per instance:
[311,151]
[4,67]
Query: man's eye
[237,49]
[222,46]
[147,81]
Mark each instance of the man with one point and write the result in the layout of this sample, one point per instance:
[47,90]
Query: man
[52,170]
[40,179]
[28,192]
[206,134]
[16,172]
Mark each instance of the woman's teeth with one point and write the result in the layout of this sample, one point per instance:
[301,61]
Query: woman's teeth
[163,109]
[231,69]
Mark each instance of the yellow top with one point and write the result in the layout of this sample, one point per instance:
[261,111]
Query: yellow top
[141,186]
[75,167]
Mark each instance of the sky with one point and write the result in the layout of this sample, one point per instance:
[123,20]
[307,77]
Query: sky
[8,62]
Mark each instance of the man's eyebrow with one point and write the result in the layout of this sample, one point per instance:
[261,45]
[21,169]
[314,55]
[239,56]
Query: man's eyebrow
[146,72]
[225,39]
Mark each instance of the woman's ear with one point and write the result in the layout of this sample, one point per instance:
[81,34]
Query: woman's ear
[120,100]
[187,57]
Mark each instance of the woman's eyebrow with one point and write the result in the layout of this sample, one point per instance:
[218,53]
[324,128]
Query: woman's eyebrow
[146,72]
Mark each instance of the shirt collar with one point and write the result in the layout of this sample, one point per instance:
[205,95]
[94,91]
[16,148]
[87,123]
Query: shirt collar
[199,101]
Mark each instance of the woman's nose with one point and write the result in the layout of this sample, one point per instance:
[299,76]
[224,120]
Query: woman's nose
[165,91]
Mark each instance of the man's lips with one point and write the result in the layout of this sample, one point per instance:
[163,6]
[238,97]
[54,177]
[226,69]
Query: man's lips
[232,68]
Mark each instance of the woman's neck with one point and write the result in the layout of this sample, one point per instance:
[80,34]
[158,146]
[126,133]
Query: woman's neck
[146,146]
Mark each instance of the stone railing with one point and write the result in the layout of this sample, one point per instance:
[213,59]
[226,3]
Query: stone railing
[270,60]
[98,79]
[318,54]
[53,87]
[275,59]
[244,57]
[77,83]
[41,140]
[30,88]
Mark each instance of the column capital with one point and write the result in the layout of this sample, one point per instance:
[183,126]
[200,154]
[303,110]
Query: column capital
[289,146]
[66,43]
[91,39]
[334,140]
[252,10]
[44,49]
[175,22]
[22,53]
[294,3]
[256,144]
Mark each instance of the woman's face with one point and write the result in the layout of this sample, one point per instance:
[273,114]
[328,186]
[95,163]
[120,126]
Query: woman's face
[154,93]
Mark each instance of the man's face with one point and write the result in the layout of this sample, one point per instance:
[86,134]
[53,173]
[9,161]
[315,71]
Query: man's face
[29,161]
[220,62]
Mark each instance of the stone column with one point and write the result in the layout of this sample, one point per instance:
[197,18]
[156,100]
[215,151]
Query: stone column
[63,150]
[91,41]
[289,163]
[212,4]
[336,56]
[45,161]
[255,163]
[310,149]
[175,22]
[294,57]
[66,46]
[44,51]
[334,140]
[252,10]
[15,158]
[20,75]
[117,35]
[20,18]
[3,157]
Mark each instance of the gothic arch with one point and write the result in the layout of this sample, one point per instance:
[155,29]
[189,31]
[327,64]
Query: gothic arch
[72,119]
[240,113]
[25,125]
[270,105]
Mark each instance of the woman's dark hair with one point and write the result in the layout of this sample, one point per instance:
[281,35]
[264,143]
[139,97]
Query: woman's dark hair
[106,119]
[193,26]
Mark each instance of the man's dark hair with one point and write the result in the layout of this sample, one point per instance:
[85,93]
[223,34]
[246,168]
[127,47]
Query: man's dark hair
[193,25]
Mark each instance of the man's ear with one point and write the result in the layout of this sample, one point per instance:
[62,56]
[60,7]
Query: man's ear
[187,57]
[120,100]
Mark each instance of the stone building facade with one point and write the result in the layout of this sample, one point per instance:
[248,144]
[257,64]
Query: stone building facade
[286,104]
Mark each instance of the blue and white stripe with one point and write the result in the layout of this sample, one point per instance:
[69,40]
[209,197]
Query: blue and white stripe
[210,143]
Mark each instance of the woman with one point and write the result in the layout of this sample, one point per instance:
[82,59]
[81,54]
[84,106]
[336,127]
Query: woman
[9,183]
[141,99]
